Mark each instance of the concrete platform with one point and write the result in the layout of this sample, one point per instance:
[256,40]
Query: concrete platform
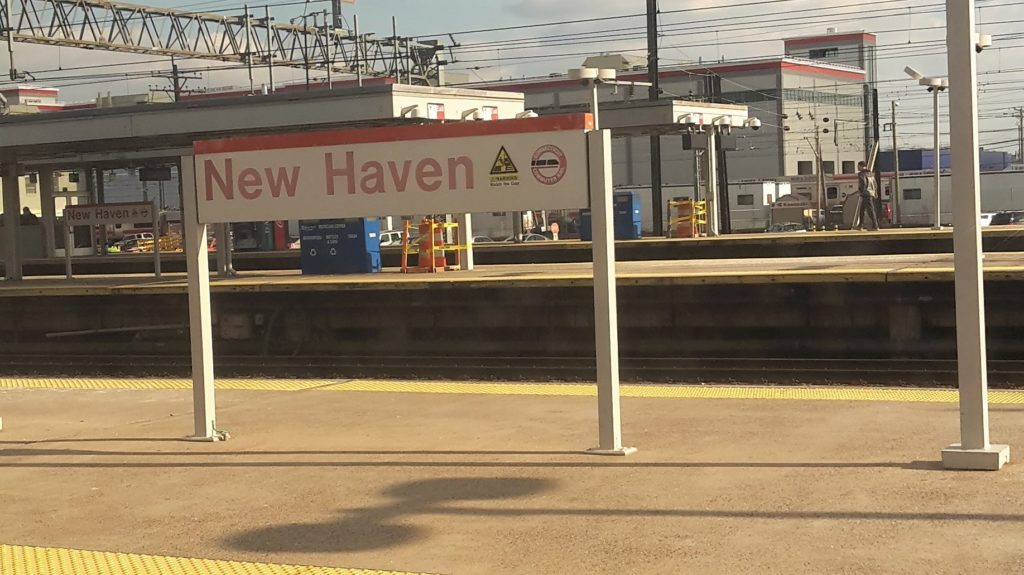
[755,245]
[871,269]
[473,483]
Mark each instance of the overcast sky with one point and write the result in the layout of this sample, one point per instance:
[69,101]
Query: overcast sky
[909,32]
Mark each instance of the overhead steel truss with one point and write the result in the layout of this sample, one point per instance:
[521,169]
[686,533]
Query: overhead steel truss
[242,38]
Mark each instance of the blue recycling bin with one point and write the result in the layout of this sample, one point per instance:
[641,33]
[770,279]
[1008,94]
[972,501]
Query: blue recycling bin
[348,246]
[627,218]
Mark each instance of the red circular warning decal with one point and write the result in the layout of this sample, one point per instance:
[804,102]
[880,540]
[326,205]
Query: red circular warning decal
[548,165]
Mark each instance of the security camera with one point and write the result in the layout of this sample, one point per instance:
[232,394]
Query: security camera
[984,41]
[754,124]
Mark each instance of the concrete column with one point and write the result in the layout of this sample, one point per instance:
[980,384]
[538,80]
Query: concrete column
[606,322]
[465,222]
[712,190]
[101,198]
[197,262]
[221,232]
[12,220]
[974,450]
[47,186]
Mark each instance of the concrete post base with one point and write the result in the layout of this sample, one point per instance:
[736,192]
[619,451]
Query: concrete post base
[217,436]
[990,459]
[619,452]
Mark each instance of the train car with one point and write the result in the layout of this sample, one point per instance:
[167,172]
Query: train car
[915,207]
[1000,191]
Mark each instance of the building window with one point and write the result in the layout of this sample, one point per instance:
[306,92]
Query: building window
[804,168]
[33,178]
[912,194]
[745,200]
[832,193]
[73,177]
[828,167]
[849,167]
[824,53]
[827,98]
[435,111]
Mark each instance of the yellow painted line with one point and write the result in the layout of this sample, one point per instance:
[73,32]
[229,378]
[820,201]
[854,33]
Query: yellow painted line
[160,384]
[19,560]
[535,389]
[680,391]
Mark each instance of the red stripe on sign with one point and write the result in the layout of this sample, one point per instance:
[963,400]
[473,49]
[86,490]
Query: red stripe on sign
[395,134]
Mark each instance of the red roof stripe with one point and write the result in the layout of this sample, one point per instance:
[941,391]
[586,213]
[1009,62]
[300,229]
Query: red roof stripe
[396,133]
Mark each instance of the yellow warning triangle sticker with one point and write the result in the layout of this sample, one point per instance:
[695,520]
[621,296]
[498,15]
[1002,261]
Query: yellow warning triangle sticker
[503,164]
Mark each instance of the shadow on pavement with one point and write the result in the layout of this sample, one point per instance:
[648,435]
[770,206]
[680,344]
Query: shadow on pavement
[387,525]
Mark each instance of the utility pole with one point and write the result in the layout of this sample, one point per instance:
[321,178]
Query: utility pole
[328,57]
[896,199]
[1019,113]
[176,79]
[654,94]
[270,49]
[305,51]
[248,47]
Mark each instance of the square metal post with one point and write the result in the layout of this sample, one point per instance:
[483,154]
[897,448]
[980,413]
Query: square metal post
[974,450]
[200,317]
[465,222]
[47,185]
[12,220]
[606,323]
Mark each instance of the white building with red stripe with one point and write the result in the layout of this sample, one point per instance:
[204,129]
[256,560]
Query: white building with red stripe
[821,77]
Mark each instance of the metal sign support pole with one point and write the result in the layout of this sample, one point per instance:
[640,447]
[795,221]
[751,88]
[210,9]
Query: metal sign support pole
[69,244]
[606,323]
[156,240]
[974,450]
[200,316]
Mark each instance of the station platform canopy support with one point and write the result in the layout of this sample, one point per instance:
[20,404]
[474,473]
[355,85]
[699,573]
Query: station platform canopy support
[974,451]
[563,164]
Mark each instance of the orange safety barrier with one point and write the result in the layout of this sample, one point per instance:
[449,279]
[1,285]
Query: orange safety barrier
[430,247]
[687,218]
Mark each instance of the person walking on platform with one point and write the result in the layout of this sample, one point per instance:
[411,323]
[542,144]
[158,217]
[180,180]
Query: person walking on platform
[868,192]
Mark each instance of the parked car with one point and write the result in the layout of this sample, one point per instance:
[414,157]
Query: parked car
[391,238]
[786,227]
[130,246]
[1008,218]
[481,239]
[529,238]
[986,218]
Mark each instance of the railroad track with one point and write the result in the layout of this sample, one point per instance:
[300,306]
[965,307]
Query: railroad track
[648,370]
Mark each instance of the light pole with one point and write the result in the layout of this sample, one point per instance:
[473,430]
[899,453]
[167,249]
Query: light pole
[935,86]
[974,451]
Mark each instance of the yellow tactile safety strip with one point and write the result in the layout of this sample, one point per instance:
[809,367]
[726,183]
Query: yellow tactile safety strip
[681,391]
[162,383]
[542,389]
[18,560]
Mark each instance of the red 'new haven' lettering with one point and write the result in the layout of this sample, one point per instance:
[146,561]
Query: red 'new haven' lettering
[226,185]
[283,181]
[250,182]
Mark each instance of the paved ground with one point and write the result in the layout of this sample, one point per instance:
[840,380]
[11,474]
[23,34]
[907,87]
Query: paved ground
[468,483]
[888,268]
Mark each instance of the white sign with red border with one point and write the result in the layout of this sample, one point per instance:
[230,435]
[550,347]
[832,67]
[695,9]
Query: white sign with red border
[506,165]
